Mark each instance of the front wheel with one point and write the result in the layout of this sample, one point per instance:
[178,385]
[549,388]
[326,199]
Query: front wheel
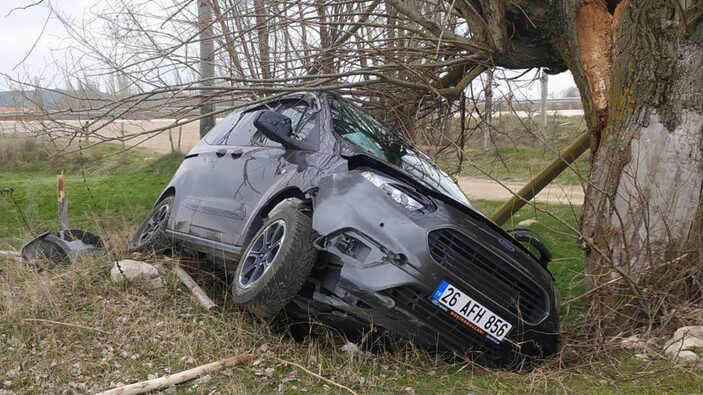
[275,264]
[151,236]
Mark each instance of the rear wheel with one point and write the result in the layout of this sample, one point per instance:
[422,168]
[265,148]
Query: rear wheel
[151,236]
[275,264]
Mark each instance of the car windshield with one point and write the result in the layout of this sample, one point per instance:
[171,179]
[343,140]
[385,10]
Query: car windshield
[365,132]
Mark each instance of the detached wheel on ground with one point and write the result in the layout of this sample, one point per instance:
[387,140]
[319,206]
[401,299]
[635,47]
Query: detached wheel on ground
[151,236]
[275,264]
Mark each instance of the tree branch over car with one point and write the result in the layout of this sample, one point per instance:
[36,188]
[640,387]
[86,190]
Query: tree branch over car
[636,64]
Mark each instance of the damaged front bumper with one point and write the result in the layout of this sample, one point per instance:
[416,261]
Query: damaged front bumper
[384,262]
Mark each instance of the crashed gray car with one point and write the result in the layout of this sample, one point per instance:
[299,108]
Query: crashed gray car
[315,208]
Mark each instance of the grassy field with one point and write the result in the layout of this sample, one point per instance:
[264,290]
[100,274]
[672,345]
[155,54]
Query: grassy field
[520,164]
[518,150]
[107,189]
[71,330]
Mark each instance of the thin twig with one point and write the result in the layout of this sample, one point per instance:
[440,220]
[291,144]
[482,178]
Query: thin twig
[326,380]
[65,324]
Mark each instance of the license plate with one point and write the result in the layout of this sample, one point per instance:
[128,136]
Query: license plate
[473,314]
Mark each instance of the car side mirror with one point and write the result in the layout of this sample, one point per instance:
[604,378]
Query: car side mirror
[276,127]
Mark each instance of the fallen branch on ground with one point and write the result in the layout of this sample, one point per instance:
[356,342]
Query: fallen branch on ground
[167,381]
[197,291]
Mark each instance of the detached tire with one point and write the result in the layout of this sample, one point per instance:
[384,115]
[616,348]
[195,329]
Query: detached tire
[275,264]
[151,236]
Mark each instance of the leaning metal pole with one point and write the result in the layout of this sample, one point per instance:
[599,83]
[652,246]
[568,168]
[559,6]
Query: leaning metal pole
[570,154]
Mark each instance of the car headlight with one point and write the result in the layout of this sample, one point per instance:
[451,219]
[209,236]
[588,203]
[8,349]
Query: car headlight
[395,190]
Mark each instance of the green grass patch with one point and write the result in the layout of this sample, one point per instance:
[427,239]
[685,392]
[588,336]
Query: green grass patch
[108,187]
[517,150]
[518,164]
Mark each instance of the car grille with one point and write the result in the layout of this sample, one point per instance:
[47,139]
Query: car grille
[488,274]
[452,332]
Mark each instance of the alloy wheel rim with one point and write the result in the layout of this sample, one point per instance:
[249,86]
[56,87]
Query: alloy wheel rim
[262,253]
[153,223]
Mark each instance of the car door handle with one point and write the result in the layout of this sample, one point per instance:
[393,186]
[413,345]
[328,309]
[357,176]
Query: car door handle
[237,154]
[221,152]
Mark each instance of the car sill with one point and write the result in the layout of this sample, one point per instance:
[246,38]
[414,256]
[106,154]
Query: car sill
[207,246]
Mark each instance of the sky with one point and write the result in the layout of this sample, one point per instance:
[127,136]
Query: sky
[20,29]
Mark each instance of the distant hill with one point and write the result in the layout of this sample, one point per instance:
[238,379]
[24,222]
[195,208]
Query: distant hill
[24,99]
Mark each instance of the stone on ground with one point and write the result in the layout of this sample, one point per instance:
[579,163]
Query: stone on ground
[634,342]
[685,343]
[526,223]
[142,274]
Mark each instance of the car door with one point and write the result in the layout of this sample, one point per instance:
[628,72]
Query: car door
[247,165]
[195,175]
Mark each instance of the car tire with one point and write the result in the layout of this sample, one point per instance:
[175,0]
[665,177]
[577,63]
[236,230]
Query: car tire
[275,263]
[151,236]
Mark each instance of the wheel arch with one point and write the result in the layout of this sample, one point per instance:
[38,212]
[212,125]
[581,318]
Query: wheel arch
[297,198]
[170,191]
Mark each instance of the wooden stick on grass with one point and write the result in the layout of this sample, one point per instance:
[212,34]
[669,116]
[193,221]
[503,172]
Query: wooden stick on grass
[63,205]
[167,381]
[193,286]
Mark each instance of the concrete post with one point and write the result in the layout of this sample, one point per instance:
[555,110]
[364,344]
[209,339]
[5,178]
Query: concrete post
[544,80]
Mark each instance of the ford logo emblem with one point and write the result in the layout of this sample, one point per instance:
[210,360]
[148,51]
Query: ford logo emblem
[505,243]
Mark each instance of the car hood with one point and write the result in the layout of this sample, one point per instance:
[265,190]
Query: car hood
[358,159]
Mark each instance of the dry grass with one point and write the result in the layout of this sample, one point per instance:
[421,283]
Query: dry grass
[71,330]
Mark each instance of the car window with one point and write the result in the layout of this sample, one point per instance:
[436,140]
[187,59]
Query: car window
[302,116]
[218,133]
[361,129]
[303,121]
[244,132]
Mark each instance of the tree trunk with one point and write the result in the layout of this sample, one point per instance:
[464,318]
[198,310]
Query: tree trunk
[642,214]
[207,64]
[488,109]
[262,35]
[325,62]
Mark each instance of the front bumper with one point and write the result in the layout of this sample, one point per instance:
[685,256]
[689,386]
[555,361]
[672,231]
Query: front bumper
[392,260]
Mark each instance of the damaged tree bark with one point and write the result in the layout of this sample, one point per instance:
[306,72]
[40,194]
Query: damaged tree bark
[643,80]
[593,29]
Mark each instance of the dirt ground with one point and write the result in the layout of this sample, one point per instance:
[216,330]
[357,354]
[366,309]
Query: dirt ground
[486,189]
[183,138]
[133,132]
